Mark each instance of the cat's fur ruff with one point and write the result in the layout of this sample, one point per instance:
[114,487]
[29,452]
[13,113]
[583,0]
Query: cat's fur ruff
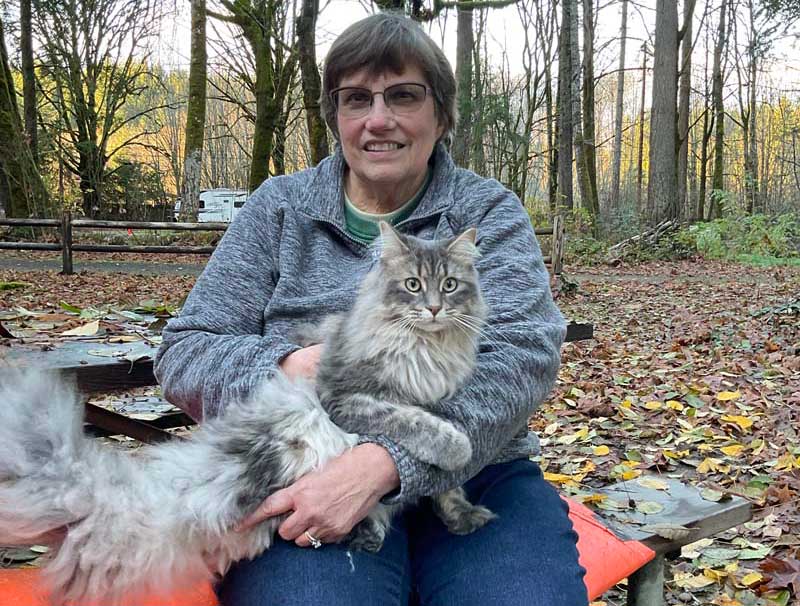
[120,523]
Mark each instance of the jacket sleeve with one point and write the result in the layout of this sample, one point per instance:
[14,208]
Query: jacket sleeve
[518,357]
[215,351]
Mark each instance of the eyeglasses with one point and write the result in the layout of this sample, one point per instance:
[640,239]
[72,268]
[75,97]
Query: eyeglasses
[355,102]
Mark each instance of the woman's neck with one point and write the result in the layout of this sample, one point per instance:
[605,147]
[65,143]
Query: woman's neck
[378,199]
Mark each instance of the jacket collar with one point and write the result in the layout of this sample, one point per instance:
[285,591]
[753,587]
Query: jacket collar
[324,200]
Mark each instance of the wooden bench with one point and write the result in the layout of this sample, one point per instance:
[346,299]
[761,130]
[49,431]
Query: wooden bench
[683,508]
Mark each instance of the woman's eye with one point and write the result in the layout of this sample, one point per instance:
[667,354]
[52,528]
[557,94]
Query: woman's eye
[413,285]
[450,284]
[355,98]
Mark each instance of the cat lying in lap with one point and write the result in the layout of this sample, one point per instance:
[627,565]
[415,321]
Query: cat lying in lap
[164,517]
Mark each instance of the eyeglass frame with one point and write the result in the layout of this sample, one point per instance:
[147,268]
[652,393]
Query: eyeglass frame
[426,89]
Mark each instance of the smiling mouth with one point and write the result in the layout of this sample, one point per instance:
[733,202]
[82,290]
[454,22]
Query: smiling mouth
[383,147]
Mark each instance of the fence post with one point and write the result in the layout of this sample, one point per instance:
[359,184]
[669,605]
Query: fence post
[558,244]
[66,243]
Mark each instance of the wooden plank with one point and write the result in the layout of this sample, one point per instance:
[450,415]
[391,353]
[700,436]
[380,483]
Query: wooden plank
[682,505]
[168,420]
[117,424]
[558,245]
[209,226]
[190,250]
[94,373]
[31,222]
[579,332]
[29,246]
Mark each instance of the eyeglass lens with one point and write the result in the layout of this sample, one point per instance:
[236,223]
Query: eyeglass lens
[403,98]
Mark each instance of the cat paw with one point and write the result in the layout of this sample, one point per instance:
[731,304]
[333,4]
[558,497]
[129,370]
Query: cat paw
[469,520]
[455,450]
[366,537]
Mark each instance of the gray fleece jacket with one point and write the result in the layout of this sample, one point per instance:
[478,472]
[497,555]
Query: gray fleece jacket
[287,259]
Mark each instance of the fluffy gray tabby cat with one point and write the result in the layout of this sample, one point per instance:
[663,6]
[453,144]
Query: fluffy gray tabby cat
[162,518]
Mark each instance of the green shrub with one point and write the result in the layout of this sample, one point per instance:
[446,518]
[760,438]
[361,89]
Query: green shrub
[584,249]
[740,237]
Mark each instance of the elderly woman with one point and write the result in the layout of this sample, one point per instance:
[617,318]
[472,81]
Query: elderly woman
[296,253]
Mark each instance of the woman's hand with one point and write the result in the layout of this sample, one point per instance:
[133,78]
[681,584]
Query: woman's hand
[302,363]
[329,502]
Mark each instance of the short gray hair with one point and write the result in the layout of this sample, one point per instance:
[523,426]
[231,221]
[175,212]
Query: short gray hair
[389,42]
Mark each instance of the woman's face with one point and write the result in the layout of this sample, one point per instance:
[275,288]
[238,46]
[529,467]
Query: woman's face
[387,152]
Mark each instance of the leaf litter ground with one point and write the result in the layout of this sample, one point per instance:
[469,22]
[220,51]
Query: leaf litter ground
[694,372]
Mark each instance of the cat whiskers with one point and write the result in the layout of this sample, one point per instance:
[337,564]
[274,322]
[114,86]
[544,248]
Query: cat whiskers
[471,323]
[402,324]
[467,323]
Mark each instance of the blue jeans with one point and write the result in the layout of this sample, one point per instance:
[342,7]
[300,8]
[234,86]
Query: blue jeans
[527,556]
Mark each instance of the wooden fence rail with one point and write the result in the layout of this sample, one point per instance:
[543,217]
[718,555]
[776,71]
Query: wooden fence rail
[66,224]
[67,247]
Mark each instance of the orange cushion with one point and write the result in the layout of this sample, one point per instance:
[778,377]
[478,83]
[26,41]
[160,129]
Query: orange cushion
[606,558]
[22,587]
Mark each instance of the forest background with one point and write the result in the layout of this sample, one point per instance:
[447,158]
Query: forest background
[620,115]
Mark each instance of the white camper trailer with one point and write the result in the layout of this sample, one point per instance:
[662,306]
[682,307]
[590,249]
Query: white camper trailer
[218,205]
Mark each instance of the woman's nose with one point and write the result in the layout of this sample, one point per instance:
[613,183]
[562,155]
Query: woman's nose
[380,116]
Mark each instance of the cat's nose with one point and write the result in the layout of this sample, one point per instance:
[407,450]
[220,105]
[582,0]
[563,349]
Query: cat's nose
[434,309]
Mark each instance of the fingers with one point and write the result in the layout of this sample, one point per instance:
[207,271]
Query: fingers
[297,527]
[304,540]
[276,504]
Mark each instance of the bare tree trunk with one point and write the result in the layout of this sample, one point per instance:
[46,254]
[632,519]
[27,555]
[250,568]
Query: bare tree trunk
[464,45]
[691,175]
[683,105]
[577,120]
[309,74]
[708,129]
[544,36]
[28,77]
[195,115]
[591,203]
[22,192]
[477,153]
[662,175]
[618,115]
[640,159]
[565,197]
[717,179]
[752,177]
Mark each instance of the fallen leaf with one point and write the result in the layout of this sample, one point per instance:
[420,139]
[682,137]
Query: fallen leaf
[649,507]
[709,494]
[687,580]
[752,578]
[782,573]
[733,450]
[654,483]
[671,532]
[743,422]
[86,330]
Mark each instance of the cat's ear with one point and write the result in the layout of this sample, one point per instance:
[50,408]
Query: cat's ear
[391,241]
[465,244]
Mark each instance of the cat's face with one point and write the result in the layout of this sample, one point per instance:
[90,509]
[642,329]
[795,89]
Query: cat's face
[431,286]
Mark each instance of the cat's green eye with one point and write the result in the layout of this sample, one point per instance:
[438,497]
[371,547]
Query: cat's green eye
[449,285]
[413,285]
